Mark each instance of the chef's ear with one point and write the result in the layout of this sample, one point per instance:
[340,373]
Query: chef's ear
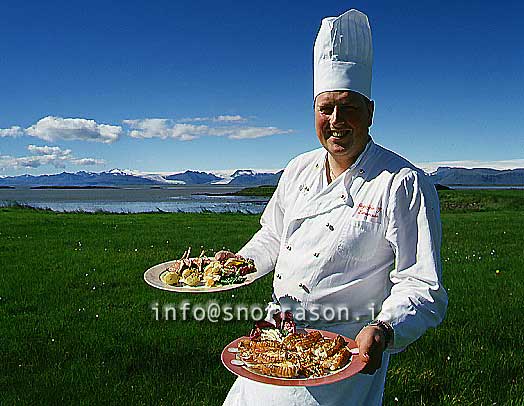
[371,110]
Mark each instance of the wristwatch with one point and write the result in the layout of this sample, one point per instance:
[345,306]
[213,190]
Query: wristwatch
[386,329]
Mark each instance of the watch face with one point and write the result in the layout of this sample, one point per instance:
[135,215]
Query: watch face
[386,328]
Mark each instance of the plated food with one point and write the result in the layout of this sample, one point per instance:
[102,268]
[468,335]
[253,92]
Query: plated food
[202,274]
[286,357]
[207,271]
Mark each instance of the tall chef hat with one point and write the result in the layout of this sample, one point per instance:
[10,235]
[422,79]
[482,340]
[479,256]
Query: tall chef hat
[343,54]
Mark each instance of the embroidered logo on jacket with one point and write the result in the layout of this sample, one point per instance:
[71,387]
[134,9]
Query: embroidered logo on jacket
[368,210]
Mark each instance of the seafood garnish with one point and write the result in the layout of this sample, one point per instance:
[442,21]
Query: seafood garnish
[285,369]
[309,355]
[338,360]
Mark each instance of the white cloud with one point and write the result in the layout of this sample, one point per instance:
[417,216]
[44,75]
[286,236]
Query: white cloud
[221,119]
[14,131]
[230,118]
[255,132]
[57,128]
[164,128]
[45,155]
[194,119]
[501,165]
[45,150]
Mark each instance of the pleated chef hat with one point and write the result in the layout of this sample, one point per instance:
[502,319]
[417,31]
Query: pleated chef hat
[343,54]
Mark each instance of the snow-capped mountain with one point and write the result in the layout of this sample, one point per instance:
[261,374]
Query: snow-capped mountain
[447,176]
[194,178]
[114,177]
[123,177]
[251,178]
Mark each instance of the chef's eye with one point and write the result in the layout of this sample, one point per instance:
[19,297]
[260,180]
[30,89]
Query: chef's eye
[326,110]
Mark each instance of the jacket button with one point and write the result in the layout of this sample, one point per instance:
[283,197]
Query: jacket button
[279,276]
[331,228]
[316,254]
[306,289]
[342,197]
[361,171]
[288,247]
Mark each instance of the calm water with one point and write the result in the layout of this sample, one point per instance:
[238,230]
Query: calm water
[190,199]
[465,187]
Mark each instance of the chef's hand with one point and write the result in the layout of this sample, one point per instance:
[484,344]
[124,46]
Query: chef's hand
[371,344]
[223,255]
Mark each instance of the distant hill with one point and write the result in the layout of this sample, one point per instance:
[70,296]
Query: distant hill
[250,178]
[477,177]
[194,177]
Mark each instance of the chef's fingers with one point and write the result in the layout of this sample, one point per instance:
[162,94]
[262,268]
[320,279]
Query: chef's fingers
[370,345]
[223,255]
[375,360]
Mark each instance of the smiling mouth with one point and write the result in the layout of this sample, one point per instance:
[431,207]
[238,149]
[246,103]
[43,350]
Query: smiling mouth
[340,134]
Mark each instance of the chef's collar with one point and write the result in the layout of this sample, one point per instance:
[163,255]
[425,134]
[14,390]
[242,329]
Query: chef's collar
[356,165]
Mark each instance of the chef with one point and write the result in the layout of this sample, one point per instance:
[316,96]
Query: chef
[351,226]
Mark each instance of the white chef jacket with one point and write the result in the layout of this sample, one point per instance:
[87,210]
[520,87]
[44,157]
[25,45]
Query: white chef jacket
[369,241]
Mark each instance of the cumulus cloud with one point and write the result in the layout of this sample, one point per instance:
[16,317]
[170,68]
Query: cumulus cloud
[57,128]
[14,131]
[45,155]
[53,129]
[164,128]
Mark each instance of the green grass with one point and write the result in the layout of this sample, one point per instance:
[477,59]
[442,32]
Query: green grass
[256,191]
[59,271]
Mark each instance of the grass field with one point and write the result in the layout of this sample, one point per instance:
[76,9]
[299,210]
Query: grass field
[76,325]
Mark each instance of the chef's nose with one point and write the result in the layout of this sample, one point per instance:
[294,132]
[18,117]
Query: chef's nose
[336,118]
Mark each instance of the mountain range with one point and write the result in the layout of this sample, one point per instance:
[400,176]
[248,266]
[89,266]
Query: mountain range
[447,176]
[119,177]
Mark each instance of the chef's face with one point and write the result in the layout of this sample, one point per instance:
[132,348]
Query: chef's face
[342,121]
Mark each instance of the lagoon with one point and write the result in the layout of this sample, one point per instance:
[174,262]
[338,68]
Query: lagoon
[137,199]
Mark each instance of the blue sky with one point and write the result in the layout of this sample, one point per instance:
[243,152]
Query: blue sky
[166,86]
